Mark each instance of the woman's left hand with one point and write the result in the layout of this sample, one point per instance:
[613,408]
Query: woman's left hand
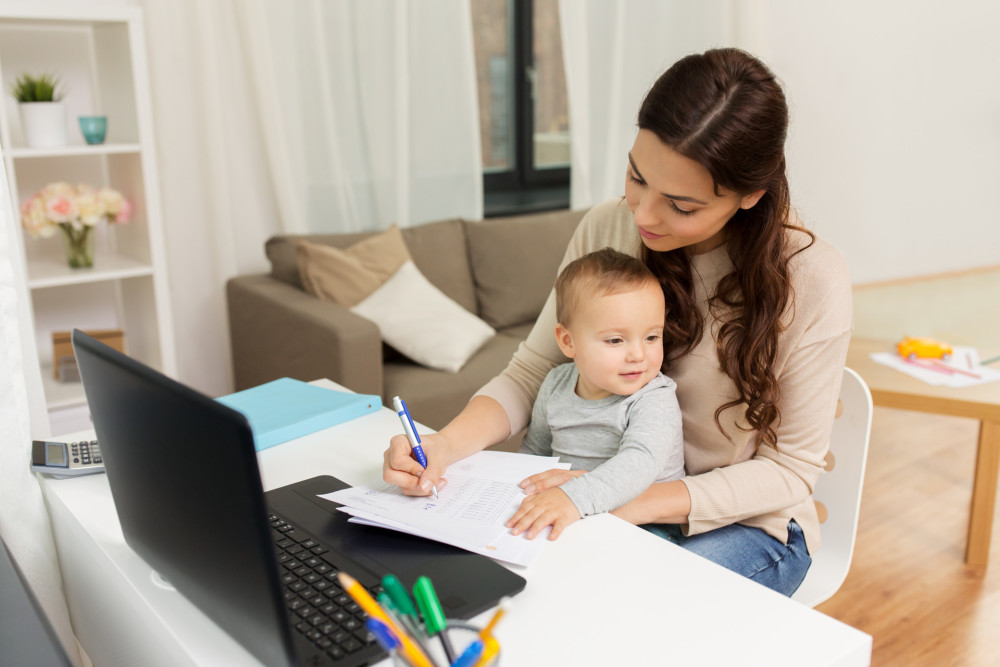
[549,480]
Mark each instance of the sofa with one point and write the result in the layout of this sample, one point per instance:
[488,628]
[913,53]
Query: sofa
[501,270]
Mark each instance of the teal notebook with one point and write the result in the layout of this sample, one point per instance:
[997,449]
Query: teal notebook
[286,409]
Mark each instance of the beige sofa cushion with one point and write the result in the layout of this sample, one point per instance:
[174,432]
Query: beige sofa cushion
[515,261]
[437,248]
[348,276]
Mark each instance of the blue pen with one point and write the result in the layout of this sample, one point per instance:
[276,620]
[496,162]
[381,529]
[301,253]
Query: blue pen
[411,434]
[470,655]
[383,635]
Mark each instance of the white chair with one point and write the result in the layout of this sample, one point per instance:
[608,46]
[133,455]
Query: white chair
[838,492]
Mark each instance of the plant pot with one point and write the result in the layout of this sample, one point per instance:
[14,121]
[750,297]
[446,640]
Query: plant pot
[44,124]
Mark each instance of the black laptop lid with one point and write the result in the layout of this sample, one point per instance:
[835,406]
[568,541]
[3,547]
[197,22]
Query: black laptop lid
[185,481]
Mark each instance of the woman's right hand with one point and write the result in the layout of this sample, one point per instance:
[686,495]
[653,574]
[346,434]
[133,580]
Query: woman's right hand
[482,423]
[400,468]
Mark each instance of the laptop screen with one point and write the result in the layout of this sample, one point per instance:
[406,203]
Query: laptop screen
[185,481]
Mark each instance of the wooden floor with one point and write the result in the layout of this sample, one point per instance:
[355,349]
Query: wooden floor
[908,586]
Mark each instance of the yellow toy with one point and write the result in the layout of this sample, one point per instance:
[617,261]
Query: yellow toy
[923,348]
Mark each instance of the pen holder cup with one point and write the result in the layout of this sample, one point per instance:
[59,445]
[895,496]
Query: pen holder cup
[461,634]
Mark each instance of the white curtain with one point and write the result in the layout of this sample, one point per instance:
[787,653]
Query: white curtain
[24,521]
[296,117]
[370,110]
[614,50]
[218,202]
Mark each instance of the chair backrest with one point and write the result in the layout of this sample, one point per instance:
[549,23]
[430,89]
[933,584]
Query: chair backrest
[838,492]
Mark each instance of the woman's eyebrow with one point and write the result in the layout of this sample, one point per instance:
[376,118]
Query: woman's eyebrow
[668,196]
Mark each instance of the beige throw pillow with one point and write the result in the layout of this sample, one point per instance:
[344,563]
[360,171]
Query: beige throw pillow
[347,276]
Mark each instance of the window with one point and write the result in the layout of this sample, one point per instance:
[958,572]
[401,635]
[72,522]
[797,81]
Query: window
[523,108]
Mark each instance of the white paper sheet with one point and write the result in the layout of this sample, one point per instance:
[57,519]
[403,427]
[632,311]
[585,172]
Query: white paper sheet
[517,550]
[482,493]
[964,361]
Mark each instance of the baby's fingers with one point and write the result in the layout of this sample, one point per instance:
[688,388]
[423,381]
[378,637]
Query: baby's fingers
[525,519]
[548,480]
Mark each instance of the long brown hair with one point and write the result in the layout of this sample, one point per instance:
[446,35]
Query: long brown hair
[725,110]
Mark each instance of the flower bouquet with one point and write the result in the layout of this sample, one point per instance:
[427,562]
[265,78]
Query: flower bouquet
[74,211]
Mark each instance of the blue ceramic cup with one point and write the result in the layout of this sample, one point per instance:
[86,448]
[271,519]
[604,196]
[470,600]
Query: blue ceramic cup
[94,128]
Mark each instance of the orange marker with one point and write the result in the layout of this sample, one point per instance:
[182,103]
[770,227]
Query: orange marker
[487,632]
[408,647]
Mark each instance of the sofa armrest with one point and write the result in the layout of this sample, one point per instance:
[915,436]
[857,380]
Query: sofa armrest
[277,330]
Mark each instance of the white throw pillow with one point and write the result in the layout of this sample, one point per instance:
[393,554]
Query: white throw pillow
[421,322]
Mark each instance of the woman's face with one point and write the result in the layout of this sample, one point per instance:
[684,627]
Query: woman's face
[673,198]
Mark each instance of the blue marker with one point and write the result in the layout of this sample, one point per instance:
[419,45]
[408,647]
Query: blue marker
[411,434]
[470,655]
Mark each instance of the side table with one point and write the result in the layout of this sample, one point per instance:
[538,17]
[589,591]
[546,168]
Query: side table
[892,389]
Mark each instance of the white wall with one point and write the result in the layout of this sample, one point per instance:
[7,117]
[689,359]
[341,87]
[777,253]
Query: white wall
[895,126]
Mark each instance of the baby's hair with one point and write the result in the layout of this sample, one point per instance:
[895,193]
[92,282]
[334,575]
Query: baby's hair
[603,272]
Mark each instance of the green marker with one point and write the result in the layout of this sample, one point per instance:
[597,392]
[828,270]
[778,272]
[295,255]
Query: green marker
[387,603]
[434,619]
[401,602]
[397,593]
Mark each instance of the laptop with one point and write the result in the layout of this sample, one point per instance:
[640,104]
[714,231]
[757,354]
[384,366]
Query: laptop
[183,474]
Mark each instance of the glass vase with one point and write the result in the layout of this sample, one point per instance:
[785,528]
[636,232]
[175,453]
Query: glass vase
[79,246]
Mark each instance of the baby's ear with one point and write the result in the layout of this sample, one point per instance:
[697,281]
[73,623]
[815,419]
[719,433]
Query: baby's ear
[565,341]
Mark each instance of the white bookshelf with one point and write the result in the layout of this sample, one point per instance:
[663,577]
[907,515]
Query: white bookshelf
[99,54]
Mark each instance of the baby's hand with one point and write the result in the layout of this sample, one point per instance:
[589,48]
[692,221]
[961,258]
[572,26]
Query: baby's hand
[549,479]
[551,507]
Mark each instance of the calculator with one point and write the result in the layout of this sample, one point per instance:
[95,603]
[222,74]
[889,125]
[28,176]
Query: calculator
[62,459]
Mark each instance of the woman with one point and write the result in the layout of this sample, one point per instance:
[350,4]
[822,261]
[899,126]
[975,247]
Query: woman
[758,323]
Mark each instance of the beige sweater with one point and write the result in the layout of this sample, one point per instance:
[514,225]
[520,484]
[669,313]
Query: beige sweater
[727,482]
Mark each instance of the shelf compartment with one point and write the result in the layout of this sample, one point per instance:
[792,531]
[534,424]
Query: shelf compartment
[93,63]
[127,304]
[123,248]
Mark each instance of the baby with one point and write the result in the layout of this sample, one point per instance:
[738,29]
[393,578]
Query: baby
[611,412]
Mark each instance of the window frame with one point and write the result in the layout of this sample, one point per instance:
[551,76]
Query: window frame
[523,187]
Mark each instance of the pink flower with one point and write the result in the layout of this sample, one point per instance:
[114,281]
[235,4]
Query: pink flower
[124,212]
[60,209]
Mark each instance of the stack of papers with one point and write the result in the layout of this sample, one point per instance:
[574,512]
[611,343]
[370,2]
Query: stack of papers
[482,493]
[962,369]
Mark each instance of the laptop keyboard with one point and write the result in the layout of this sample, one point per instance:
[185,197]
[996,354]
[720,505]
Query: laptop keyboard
[318,608]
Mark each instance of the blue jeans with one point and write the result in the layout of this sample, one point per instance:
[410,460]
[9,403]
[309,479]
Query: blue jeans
[748,551]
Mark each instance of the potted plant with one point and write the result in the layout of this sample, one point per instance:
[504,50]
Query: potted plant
[43,116]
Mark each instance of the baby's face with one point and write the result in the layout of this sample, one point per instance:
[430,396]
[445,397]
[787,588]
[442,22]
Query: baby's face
[616,341]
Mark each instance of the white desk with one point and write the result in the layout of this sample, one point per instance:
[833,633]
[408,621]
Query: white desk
[605,593]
